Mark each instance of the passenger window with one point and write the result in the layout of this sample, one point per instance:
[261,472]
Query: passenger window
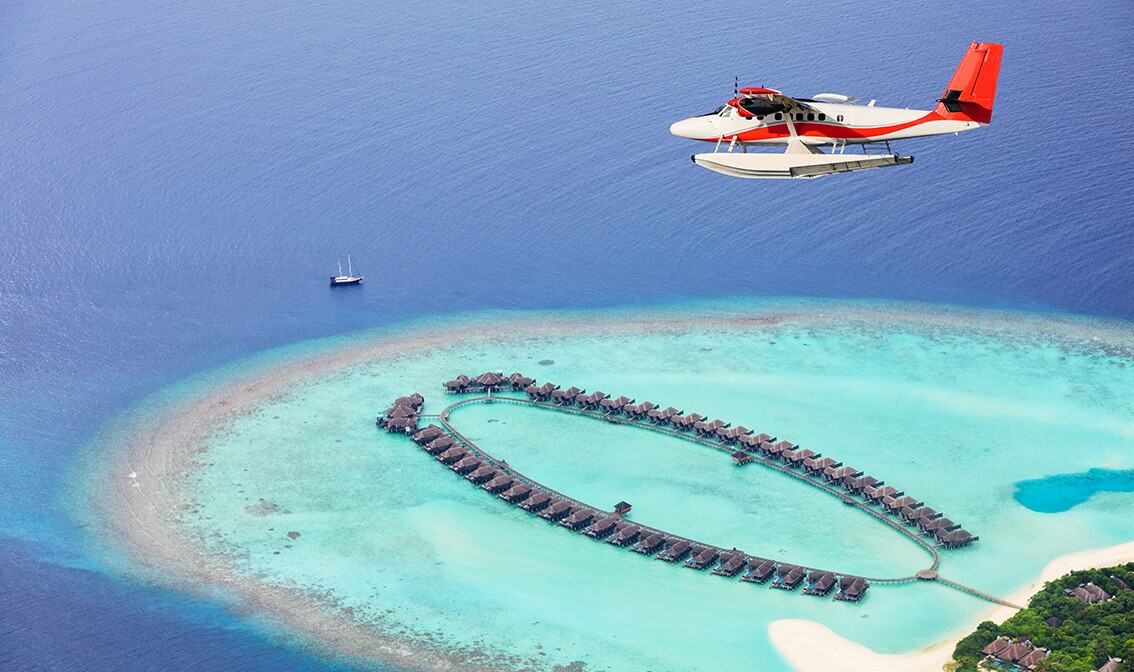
[760,118]
[840,117]
[822,117]
[799,116]
[779,116]
[811,116]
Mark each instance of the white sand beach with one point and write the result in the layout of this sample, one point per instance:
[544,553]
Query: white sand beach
[812,647]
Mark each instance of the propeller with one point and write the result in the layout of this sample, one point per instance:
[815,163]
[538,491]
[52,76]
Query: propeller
[735,86]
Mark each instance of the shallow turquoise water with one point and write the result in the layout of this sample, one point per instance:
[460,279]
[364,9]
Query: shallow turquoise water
[1059,493]
[953,415]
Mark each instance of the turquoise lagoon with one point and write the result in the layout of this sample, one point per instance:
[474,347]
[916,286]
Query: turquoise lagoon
[954,406]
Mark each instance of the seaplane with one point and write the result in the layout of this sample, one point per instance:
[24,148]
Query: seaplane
[759,117]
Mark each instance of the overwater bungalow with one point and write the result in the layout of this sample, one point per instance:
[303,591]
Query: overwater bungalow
[685,423]
[466,464]
[590,401]
[816,465]
[674,550]
[662,416]
[401,411]
[759,570]
[956,539]
[499,484]
[482,474]
[452,455]
[650,544]
[562,397]
[536,502]
[731,563]
[414,399]
[937,526]
[851,588]
[488,381]
[613,406]
[731,434]
[819,582]
[579,518]
[624,536]
[876,495]
[858,486]
[558,509]
[702,559]
[541,393]
[913,516]
[788,577]
[893,504]
[748,442]
[795,458]
[458,385]
[740,458]
[761,438]
[774,450]
[709,428]
[641,411]
[600,528]
[518,382]
[440,444]
[427,434]
[406,425]
[784,445]
[517,493]
[622,508]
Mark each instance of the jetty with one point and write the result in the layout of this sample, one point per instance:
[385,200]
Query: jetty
[923,525]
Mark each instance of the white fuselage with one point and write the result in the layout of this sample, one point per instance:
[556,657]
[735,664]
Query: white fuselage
[819,123]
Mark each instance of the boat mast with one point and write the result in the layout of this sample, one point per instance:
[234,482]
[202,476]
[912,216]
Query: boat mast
[350,269]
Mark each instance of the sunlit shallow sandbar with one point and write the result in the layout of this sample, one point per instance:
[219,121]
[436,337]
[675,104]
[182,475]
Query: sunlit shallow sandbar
[396,559]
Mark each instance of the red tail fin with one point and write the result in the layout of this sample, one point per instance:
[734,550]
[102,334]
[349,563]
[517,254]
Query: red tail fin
[973,88]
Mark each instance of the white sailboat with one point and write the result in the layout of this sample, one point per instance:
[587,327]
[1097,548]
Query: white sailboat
[349,279]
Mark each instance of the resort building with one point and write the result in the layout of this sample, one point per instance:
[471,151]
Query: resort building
[1111,665]
[1014,654]
[1089,593]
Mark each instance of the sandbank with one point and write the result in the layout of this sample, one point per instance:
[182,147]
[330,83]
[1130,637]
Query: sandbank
[811,647]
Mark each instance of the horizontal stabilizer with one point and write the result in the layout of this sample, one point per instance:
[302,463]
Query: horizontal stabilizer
[788,166]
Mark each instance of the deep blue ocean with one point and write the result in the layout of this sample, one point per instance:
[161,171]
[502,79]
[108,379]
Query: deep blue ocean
[177,181]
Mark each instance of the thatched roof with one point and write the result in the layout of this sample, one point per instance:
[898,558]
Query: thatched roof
[996,646]
[520,382]
[489,379]
[427,434]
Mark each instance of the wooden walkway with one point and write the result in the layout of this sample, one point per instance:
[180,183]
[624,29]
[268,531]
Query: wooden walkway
[929,573]
[594,414]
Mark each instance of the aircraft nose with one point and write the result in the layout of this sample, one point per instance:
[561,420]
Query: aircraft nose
[694,128]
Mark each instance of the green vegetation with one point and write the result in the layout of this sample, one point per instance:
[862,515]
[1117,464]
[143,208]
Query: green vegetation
[1089,632]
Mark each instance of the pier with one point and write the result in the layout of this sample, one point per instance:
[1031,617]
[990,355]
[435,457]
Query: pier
[853,488]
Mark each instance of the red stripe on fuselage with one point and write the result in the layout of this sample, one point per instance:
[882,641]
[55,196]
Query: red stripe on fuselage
[810,129]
